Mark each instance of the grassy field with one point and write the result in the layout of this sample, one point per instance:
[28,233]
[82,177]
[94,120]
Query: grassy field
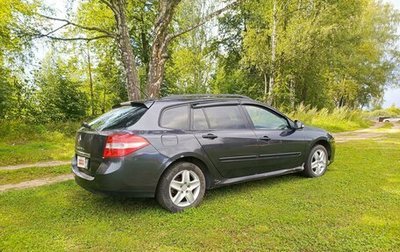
[23,143]
[354,207]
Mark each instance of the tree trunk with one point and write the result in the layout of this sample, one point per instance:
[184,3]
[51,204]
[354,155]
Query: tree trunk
[265,87]
[126,49]
[161,40]
[273,53]
[90,80]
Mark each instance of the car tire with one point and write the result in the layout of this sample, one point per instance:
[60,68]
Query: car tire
[181,186]
[317,162]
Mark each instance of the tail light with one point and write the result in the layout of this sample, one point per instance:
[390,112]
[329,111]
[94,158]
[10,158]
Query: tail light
[119,145]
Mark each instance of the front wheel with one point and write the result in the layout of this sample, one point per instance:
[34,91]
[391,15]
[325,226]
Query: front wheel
[181,186]
[317,162]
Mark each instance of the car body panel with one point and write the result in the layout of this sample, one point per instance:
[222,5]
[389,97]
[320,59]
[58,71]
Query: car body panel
[233,152]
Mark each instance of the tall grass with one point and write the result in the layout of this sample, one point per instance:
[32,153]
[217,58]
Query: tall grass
[23,142]
[19,131]
[335,120]
[389,112]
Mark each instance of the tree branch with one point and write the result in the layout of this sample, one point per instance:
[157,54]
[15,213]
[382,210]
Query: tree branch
[110,5]
[206,19]
[53,31]
[72,39]
[89,28]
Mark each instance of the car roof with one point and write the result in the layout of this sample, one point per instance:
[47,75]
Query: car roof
[191,98]
[203,97]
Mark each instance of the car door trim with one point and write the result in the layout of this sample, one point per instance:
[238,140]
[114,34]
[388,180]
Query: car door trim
[238,158]
[259,176]
[280,155]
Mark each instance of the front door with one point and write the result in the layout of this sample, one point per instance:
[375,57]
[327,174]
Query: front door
[280,146]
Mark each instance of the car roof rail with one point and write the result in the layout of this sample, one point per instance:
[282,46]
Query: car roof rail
[202,96]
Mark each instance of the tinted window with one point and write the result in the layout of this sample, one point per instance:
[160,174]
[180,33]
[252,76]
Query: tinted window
[265,119]
[225,117]
[175,118]
[118,118]
[199,120]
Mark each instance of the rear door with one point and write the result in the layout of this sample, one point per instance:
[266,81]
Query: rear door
[280,146]
[224,133]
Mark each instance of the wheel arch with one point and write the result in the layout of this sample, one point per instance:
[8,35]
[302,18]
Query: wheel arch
[324,142]
[191,159]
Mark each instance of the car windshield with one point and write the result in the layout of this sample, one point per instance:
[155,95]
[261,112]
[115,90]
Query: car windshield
[118,118]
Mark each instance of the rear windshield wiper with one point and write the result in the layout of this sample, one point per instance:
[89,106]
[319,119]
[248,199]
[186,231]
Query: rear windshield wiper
[86,125]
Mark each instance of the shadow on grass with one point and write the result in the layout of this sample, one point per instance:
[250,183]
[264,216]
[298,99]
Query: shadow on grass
[144,205]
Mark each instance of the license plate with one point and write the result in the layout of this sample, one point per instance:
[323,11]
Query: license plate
[82,162]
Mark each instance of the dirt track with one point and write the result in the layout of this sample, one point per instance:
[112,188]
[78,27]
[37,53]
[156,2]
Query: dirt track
[38,165]
[375,132]
[36,182]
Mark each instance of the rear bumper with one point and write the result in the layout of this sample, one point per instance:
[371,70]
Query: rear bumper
[133,176]
[108,185]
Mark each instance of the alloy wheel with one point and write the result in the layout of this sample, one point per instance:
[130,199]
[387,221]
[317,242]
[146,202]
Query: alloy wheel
[318,162]
[184,188]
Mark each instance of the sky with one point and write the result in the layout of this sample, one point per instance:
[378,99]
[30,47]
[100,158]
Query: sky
[391,96]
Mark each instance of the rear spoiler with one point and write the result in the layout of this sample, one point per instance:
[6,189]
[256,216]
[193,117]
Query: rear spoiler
[146,104]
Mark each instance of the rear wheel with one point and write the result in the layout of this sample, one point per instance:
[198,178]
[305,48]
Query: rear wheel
[181,186]
[317,162]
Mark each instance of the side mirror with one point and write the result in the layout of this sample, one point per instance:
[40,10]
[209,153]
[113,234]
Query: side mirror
[298,124]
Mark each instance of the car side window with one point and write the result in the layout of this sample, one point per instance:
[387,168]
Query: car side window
[265,119]
[225,117]
[199,120]
[175,118]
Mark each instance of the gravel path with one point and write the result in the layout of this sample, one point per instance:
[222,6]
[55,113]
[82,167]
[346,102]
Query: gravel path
[39,165]
[374,133]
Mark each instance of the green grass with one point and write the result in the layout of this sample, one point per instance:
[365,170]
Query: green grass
[354,207]
[35,151]
[336,120]
[386,125]
[20,175]
[24,143]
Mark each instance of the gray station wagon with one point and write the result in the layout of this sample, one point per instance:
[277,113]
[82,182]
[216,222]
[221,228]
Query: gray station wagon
[176,147]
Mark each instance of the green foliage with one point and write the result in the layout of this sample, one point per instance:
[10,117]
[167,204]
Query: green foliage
[328,53]
[190,67]
[59,96]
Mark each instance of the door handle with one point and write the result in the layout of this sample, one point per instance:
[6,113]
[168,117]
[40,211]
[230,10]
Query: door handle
[209,136]
[265,138]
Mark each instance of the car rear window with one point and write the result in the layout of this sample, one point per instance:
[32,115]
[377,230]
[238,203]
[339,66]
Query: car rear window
[118,118]
[225,117]
[175,118]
